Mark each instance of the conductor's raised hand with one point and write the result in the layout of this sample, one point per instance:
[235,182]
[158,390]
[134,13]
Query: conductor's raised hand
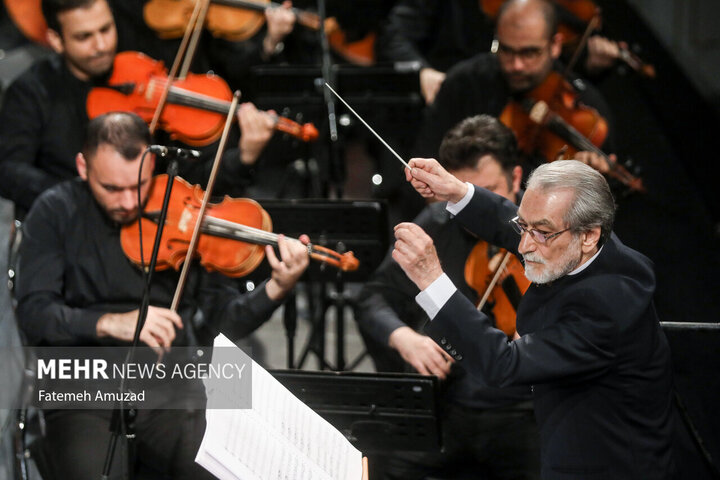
[431,180]
[415,253]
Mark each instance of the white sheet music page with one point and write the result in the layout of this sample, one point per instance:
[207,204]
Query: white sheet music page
[278,438]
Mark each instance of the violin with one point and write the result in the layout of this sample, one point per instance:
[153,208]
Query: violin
[27,16]
[550,120]
[504,296]
[239,20]
[574,18]
[234,20]
[196,105]
[231,237]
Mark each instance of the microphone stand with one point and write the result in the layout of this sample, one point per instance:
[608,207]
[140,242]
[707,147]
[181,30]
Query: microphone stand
[337,167]
[121,418]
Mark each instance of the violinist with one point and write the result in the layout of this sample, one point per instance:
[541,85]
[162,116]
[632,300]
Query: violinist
[589,332]
[231,60]
[484,429]
[440,34]
[528,48]
[44,116]
[79,289]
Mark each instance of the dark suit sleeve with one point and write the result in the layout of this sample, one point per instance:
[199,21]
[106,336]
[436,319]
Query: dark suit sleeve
[487,216]
[576,345]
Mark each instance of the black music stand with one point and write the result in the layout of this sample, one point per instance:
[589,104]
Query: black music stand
[359,226]
[377,413]
[387,97]
[697,387]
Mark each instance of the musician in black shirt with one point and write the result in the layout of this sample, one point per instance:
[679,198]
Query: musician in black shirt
[77,288]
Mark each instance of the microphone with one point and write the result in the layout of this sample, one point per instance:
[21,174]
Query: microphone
[173,152]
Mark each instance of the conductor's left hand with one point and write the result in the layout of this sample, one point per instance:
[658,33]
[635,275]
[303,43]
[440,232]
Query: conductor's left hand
[415,253]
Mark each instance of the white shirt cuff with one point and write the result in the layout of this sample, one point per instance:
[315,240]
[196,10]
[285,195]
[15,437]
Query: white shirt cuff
[436,295]
[455,208]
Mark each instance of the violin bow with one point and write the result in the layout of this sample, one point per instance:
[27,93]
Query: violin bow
[205,201]
[591,26]
[193,29]
[494,281]
[368,127]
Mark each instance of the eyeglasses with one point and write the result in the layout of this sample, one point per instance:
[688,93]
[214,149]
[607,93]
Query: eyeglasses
[537,235]
[527,54]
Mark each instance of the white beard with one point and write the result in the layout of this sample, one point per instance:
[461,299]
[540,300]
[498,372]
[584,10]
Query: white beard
[569,260]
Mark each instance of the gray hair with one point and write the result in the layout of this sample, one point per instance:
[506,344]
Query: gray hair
[593,205]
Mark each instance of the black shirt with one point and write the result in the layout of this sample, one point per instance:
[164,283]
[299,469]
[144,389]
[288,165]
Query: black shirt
[72,270]
[42,125]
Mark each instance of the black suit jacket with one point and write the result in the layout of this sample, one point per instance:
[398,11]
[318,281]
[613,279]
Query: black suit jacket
[592,348]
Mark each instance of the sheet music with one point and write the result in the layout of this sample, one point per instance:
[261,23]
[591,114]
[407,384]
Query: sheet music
[278,438]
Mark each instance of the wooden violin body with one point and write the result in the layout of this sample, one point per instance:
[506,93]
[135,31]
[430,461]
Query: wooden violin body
[234,20]
[481,266]
[224,255]
[193,113]
[233,233]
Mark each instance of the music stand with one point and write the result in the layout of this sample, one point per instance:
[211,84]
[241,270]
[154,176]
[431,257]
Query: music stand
[376,412]
[387,96]
[697,387]
[359,226]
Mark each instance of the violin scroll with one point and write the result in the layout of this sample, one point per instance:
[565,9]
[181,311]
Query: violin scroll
[344,261]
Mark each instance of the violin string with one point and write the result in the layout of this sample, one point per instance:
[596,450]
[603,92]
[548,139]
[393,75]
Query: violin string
[181,96]
[369,127]
[252,233]
[249,234]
